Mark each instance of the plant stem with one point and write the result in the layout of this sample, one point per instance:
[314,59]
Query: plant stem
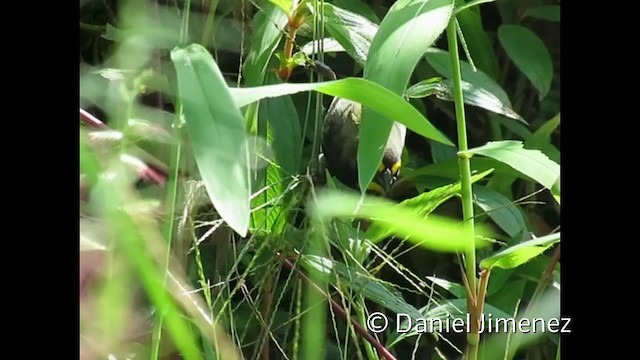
[467,196]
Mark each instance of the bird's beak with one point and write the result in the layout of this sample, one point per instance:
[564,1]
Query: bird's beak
[385,179]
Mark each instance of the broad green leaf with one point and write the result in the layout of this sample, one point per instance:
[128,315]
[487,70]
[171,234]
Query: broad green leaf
[532,163]
[362,284]
[360,90]
[422,205]
[500,209]
[277,120]
[477,39]
[544,12]
[406,32]
[217,133]
[358,7]
[455,289]
[287,136]
[473,95]
[267,25]
[435,233]
[353,31]
[529,54]
[517,255]
[441,62]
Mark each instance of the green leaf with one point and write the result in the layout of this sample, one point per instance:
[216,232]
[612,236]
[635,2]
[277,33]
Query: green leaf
[477,40]
[287,136]
[532,163]
[267,28]
[500,209]
[517,255]
[365,92]
[408,29]
[543,134]
[358,7]
[362,284]
[353,31]
[441,62]
[529,54]
[544,12]
[285,5]
[435,233]
[422,205]
[473,95]
[217,134]
[470,4]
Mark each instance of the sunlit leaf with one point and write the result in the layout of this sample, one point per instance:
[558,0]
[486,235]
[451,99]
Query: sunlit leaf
[517,255]
[434,232]
[365,92]
[531,163]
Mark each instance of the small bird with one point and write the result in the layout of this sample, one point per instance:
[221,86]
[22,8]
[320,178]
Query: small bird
[341,134]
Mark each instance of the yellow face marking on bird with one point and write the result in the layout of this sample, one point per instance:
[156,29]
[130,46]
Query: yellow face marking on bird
[396,167]
[381,167]
[376,188]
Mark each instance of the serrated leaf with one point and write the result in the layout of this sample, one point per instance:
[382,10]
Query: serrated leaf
[365,92]
[472,95]
[500,209]
[435,233]
[529,54]
[543,134]
[217,134]
[517,255]
[422,205]
[532,163]
[406,32]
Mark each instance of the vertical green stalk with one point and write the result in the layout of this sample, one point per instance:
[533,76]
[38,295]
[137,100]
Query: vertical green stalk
[172,191]
[314,320]
[467,195]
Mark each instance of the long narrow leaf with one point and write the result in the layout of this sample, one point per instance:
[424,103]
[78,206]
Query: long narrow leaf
[407,31]
[217,133]
[365,92]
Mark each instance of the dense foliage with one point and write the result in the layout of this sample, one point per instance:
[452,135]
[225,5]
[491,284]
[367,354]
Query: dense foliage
[209,228]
